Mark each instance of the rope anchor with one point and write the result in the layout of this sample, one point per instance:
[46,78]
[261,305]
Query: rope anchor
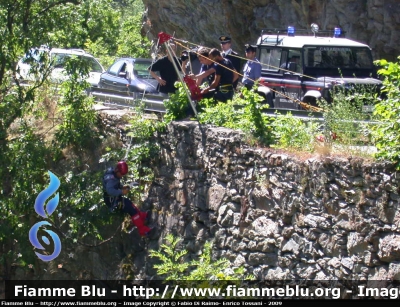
[194,94]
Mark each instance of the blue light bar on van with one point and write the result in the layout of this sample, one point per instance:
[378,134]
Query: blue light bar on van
[290,31]
[337,32]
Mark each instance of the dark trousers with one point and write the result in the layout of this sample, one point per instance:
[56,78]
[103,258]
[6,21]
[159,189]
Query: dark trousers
[222,94]
[235,84]
[120,203]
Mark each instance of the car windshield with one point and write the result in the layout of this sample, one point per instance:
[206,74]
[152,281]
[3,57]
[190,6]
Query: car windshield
[337,57]
[141,70]
[60,59]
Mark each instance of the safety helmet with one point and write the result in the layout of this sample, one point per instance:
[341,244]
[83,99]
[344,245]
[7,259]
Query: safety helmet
[122,167]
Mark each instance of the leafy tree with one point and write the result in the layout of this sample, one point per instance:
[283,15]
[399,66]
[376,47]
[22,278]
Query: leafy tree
[26,153]
[76,108]
[60,24]
[118,32]
[130,42]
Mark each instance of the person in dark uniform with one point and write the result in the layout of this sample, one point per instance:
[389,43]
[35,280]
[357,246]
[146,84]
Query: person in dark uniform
[227,52]
[114,191]
[221,88]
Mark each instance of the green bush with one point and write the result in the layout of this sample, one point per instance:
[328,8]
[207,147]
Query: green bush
[177,104]
[387,111]
[344,118]
[244,113]
[294,133]
[175,264]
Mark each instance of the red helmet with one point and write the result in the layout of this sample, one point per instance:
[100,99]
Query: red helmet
[122,167]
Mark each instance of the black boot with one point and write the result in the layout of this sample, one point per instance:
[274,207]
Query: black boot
[152,233]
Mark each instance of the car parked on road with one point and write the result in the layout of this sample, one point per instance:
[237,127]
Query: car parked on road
[300,67]
[128,80]
[32,66]
[129,74]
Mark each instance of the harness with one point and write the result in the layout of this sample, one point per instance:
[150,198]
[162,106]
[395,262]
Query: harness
[225,88]
[114,203]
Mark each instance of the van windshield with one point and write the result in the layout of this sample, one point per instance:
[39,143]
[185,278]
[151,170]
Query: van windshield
[338,57]
[59,60]
[35,55]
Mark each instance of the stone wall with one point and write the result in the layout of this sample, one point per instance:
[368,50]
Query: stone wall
[373,22]
[279,216]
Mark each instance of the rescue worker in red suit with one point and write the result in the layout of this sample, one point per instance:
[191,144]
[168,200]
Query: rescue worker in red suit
[113,197]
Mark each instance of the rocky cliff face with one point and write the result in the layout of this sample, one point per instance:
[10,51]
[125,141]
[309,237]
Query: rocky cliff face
[280,217]
[374,22]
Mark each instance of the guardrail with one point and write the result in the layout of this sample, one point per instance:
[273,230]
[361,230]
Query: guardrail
[152,102]
[155,103]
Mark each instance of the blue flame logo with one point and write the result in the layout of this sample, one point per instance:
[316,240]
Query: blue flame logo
[50,208]
[45,194]
[35,242]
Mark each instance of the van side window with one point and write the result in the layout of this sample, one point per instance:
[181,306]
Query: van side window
[294,60]
[270,58]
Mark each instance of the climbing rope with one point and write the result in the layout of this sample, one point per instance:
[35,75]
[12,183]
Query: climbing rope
[128,149]
[297,101]
[243,58]
[146,248]
[90,245]
[165,38]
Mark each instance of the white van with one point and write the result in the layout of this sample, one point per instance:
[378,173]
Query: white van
[301,66]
